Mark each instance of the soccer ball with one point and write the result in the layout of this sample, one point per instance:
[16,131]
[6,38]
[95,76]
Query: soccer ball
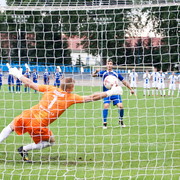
[110,80]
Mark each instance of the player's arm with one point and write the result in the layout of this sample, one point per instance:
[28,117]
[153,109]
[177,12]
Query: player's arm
[128,86]
[130,78]
[94,74]
[137,77]
[125,83]
[62,77]
[115,90]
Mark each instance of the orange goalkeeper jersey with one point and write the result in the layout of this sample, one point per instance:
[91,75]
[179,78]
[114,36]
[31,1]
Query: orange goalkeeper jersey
[53,103]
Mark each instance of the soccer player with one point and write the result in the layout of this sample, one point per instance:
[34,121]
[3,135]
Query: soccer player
[54,102]
[27,74]
[172,84]
[154,77]
[179,85]
[18,83]
[161,84]
[1,77]
[146,77]
[35,77]
[133,80]
[46,76]
[57,77]
[116,99]
[10,83]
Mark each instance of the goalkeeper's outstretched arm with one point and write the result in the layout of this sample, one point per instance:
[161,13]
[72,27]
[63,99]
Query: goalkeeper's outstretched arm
[28,82]
[115,90]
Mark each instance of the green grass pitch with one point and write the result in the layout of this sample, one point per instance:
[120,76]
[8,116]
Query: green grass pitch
[148,148]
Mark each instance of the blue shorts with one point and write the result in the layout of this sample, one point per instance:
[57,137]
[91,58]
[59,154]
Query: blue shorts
[18,82]
[35,80]
[115,99]
[46,81]
[10,82]
[57,82]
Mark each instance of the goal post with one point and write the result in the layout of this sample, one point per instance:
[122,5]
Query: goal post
[76,38]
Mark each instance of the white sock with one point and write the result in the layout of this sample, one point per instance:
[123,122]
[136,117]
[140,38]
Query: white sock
[169,92]
[164,92]
[135,91]
[148,92]
[40,145]
[156,91]
[144,91]
[5,133]
[172,92]
[153,92]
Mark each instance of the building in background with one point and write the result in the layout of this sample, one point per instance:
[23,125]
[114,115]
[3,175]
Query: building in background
[78,54]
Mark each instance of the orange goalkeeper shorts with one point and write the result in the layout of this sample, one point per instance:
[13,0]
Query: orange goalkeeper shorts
[27,123]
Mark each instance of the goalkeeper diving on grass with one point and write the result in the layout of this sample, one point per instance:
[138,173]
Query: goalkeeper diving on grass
[116,99]
[54,102]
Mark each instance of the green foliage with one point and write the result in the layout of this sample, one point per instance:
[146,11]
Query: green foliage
[103,32]
[40,38]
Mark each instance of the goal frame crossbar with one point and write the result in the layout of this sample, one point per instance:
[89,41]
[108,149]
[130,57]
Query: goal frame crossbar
[82,7]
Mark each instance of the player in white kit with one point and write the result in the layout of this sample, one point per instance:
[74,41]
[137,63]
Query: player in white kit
[133,80]
[154,76]
[161,83]
[179,85]
[146,77]
[172,84]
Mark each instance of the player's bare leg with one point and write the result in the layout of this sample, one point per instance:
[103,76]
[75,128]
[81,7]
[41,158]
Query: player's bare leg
[121,114]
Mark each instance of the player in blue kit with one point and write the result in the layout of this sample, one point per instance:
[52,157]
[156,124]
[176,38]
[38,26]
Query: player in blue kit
[35,77]
[1,77]
[10,83]
[46,76]
[116,99]
[27,74]
[57,77]
[18,83]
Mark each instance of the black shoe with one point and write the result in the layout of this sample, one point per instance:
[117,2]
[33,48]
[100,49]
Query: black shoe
[105,126]
[120,122]
[24,154]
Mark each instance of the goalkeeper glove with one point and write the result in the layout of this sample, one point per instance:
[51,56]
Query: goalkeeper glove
[115,90]
[15,72]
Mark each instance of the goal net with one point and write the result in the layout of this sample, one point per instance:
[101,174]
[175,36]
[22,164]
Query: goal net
[77,38]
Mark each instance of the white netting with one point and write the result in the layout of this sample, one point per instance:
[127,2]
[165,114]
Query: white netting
[79,36]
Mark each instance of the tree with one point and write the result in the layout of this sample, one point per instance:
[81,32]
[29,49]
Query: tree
[152,37]
[36,36]
[102,31]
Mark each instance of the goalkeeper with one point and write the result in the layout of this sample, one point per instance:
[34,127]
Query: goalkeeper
[116,99]
[53,103]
